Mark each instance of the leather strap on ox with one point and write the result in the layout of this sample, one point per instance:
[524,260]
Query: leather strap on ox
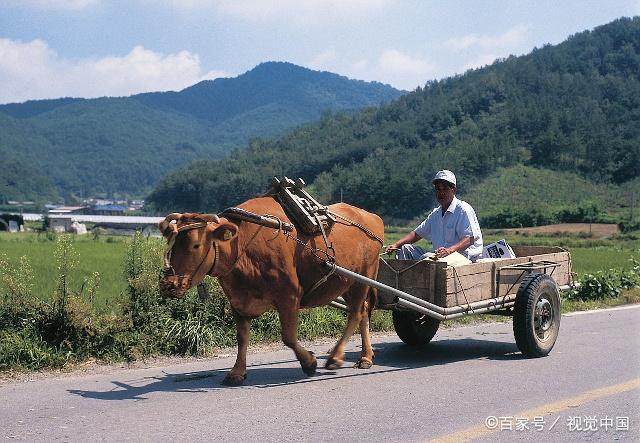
[252,217]
[169,272]
[230,213]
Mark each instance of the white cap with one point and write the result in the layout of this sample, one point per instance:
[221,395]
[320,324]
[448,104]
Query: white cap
[445,175]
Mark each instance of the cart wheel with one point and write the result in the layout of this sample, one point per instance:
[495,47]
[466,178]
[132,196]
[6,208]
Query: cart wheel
[413,328]
[536,315]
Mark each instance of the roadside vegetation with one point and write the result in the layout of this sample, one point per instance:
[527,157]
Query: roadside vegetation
[65,300]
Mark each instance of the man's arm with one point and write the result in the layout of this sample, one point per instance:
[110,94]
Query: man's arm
[411,237]
[460,246]
[467,229]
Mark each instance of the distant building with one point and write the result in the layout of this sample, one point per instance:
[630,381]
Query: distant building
[68,210]
[64,222]
[107,210]
[97,201]
[11,222]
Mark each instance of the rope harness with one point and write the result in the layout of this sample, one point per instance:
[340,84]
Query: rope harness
[326,255]
[181,280]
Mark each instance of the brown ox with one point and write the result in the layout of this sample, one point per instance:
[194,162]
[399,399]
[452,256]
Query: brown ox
[260,269]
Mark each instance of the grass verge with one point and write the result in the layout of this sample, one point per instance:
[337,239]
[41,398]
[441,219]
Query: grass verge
[70,322]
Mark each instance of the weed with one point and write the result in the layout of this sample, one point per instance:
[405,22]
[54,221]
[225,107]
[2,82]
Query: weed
[99,298]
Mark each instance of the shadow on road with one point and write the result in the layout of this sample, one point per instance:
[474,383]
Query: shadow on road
[390,357]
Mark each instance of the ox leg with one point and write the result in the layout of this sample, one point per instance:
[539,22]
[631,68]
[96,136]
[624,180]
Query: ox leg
[289,324]
[359,311]
[238,374]
[366,356]
[336,356]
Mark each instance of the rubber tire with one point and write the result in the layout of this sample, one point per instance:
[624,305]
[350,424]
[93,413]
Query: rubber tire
[410,331]
[531,288]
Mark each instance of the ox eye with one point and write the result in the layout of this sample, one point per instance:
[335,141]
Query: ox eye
[196,246]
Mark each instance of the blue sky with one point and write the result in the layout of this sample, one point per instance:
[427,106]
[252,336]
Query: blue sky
[91,48]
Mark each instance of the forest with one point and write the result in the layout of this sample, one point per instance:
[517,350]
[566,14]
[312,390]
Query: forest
[73,148]
[568,113]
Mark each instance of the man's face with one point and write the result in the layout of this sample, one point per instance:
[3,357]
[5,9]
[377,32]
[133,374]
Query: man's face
[444,193]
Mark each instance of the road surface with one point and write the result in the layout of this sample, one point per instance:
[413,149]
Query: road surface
[469,384]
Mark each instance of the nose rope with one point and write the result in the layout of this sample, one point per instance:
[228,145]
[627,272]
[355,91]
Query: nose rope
[172,240]
[168,269]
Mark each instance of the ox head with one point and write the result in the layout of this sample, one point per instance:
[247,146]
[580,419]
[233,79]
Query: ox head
[193,249]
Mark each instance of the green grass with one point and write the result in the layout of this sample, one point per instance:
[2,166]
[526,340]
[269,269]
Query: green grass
[104,255]
[128,320]
[626,297]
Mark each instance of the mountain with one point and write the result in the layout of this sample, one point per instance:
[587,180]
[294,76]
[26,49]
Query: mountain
[124,145]
[573,107]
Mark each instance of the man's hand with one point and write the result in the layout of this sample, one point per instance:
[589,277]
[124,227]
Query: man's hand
[460,246]
[443,252]
[411,237]
[390,248]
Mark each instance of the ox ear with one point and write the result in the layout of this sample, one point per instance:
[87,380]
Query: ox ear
[225,231]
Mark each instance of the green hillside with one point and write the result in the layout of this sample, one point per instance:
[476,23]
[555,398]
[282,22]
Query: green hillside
[523,187]
[573,107]
[125,145]
[525,196]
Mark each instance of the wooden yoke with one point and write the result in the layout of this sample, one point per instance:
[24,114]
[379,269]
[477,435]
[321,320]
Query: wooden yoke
[309,215]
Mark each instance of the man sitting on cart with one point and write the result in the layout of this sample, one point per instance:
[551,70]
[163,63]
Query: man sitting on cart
[451,227]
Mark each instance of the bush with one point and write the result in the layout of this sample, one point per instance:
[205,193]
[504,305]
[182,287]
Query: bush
[626,227]
[36,333]
[606,284]
[524,217]
[517,218]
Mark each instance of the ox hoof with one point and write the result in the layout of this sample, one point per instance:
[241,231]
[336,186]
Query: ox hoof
[333,363]
[310,369]
[363,363]
[234,379]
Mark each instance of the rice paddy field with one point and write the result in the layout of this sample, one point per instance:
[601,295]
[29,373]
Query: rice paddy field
[124,321]
[105,255]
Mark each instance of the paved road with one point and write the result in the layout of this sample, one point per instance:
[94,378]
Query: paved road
[468,376]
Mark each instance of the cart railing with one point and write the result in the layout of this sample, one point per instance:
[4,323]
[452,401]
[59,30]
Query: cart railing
[408,301]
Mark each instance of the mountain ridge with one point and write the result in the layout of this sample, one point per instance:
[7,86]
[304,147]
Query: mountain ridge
[573,107]
[125,144]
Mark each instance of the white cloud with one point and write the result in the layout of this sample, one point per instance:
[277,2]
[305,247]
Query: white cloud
[51,4]
[261,10]
[391,66]
[33,70]
[324,60]
[510,39]
[360,65]
[480,61]
[400,64]
[481,50]
[183,5]
[297,12]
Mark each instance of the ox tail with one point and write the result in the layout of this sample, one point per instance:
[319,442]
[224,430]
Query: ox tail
[371,301]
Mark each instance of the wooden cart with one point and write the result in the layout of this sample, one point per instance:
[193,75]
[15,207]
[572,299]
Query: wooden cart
[423,293]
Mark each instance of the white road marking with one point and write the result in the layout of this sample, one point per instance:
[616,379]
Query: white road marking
[595,311]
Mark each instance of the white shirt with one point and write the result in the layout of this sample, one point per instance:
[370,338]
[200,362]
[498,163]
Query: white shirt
[458,221]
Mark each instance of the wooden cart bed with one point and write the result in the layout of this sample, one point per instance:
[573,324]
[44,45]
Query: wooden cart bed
[449,286]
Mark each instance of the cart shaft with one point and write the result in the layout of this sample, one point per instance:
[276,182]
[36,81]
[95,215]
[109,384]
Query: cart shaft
[409,301]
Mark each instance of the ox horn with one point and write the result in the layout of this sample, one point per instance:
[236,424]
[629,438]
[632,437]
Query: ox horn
[210,218]
[164,224]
